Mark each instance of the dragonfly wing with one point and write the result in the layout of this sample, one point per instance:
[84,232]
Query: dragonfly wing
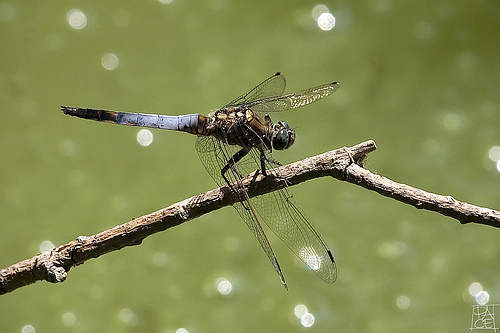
[272,86]
[284,216]
[215,155]
[250,215]
[308,96]
[278,210]
[292,101]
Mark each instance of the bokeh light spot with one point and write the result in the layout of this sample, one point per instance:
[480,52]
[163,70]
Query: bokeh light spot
[224,286]
[482,297]
[392,249]
[68,319]
[67,148]
[326,21]
[452,121]
[307,320]
[318,10]
[475,288]
[46,246]
[76,19]
[494,153]
[7,12]
[321,14]
[403,302]
[424,30]
[109,61]
[28,329]
[466,61]
[127,316]
[144,137]
[300,310]
[159,259]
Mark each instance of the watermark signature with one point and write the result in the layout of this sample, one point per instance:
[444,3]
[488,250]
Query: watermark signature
[483,317]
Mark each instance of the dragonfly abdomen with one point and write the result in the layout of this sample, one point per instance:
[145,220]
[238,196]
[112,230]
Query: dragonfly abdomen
[186,123]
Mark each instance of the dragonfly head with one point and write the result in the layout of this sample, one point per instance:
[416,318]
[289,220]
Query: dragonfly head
[282,136]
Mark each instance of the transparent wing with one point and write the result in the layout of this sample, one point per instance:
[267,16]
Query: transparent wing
[284,216]
[278,210]
[272,86]
[295,100]
[215,155]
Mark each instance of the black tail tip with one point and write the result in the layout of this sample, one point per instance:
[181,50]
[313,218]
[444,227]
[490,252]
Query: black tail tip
[65,109]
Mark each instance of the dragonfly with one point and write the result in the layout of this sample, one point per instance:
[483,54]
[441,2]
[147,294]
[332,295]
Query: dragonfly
[238,140]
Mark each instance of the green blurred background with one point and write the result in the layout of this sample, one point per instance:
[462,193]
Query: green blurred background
[421,78]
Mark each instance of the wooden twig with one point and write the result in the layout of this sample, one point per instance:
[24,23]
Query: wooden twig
[344,164]
[444,204]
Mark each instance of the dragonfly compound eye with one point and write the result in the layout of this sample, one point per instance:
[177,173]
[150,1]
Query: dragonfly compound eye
[283,136]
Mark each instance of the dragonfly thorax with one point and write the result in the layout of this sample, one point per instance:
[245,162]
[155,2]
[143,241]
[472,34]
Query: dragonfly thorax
[282,136]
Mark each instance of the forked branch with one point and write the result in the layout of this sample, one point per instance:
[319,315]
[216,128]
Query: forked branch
[344,164]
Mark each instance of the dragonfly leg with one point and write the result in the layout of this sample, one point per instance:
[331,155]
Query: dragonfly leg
[230,165]
[344,172]
[263,160]
[232,161]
